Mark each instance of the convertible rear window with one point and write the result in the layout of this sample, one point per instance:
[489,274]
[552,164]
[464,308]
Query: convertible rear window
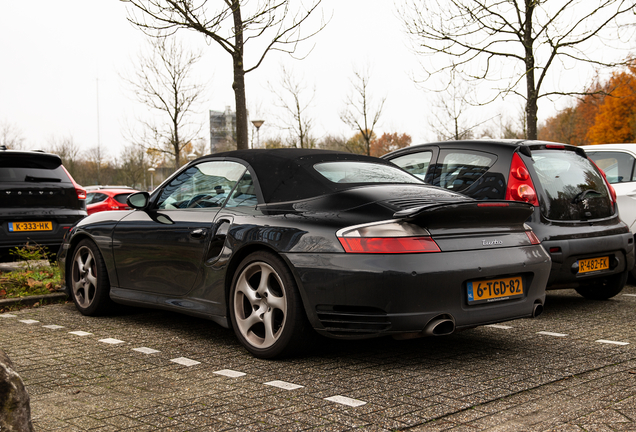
[363,172]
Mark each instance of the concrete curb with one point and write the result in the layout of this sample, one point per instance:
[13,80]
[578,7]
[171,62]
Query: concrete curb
[31,300]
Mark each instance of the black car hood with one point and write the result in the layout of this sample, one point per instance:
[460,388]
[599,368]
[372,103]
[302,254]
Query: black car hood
[103,217]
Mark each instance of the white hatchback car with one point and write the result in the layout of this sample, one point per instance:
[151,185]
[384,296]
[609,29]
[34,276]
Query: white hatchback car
[618,161]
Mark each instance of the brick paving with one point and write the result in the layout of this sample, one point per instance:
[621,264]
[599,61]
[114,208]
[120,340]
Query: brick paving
[143,370]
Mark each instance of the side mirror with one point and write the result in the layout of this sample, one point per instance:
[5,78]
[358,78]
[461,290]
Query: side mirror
[138,200]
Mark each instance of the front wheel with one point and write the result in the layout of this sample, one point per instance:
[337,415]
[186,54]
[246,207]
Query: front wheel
[265,307]
[89,283]
[604,288]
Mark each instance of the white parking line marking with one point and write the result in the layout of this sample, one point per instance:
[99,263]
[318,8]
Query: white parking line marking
[229,373]
[499,326]
[284,385]
[612,342]
[29,321]
[80,333]
[346,401]
[185,361]
[552,334]
[146,350]
[6,315]
[630,295]
[53,326]
[111,341]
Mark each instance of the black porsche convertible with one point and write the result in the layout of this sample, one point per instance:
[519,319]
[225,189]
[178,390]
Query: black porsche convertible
[279,243]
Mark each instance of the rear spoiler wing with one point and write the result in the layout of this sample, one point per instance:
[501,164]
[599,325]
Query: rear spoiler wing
[489,213]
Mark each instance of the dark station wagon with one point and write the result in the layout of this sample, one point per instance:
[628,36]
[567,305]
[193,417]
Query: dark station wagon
[39,201]
[575,212]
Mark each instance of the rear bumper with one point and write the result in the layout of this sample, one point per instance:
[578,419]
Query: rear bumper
[51,239]
[365,295]
[565,255]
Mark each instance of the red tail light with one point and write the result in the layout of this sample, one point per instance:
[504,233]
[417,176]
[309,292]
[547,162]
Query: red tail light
[388,244]
[533,238]
[387,237]
[520,186]
[81,192]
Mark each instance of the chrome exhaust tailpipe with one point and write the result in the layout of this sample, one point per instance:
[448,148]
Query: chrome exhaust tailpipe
[441,325]
[537,310]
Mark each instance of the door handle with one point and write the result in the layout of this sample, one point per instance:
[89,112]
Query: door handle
[198,233]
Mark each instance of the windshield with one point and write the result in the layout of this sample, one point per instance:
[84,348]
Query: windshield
[363,172]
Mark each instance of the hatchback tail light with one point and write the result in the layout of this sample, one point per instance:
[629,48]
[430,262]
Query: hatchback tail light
[387,237]
[520,185]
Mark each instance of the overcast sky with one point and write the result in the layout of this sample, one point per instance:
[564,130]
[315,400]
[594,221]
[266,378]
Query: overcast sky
[62,61]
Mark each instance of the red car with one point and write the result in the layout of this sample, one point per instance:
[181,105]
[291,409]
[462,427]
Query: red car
[108,198]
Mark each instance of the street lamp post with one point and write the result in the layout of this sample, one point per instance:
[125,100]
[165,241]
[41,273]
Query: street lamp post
[151,170]
[257,124]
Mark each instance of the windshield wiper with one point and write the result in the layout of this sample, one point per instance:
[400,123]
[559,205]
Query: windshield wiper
[581,196]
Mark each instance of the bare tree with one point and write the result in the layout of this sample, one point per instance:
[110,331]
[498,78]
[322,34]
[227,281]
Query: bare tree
[163,82]
[67,150]
[361,113]
[270,23]
[294,98]
[11,136]
[449,120]
[132,164]
[482,40]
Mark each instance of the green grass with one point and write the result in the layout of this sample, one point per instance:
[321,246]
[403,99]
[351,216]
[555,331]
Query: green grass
[31,279]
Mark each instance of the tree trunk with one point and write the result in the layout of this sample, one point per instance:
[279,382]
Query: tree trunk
[238,85]
[531,89]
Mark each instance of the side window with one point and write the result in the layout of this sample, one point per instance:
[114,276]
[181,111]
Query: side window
[460,170]
[416,163]
[244,194]
[617,166]
[95,197]
[203,186]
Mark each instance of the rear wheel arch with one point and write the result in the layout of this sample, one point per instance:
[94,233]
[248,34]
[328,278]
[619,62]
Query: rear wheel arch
[234,263]
[244,252]
[268,314]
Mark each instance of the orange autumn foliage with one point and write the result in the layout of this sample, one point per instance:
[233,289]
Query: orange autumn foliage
[571,125]
[608,115]
[389,142]
[614,122]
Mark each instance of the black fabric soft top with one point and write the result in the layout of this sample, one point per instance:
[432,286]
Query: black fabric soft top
[288,174]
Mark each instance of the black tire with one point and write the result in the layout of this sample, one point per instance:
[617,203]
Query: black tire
[604,288]
[88,280]
[267,315]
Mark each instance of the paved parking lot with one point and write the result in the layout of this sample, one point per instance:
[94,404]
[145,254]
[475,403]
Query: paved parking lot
[572,369]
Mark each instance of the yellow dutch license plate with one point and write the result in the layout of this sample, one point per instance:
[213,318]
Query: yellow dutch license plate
[492,290]
[593,264]
[30,226]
